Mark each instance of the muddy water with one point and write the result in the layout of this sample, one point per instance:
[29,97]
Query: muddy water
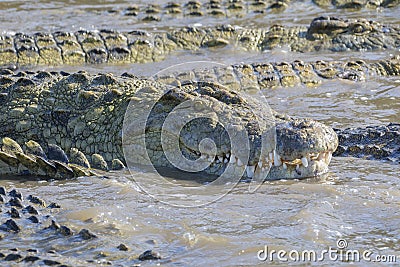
[357,200]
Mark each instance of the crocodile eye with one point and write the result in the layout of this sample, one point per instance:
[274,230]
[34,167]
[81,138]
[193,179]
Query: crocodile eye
[360,28]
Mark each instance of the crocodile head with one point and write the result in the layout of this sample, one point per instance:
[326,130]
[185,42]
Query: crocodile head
[207,127]
[353,34]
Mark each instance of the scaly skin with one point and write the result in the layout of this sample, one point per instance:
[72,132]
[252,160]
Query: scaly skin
[237,77]
[255,76]
[27,217]
[87,112]
[228,9]
[141,47]
[213,9]
[372,142]
[357,4]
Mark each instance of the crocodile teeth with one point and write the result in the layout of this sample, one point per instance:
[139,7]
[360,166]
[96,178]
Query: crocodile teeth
[304,161]
[221,158]
[259,164]
[270,164]
[271,157]
[228,155]
[297,167]
[284,166]
[239,162]
[329,157]
[277,159]
[226,160]
[250,171]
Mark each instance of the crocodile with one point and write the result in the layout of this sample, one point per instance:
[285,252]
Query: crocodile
[84,115]
[25,215]
[30,217]
[33,89]
[266,75]
[110,46]
[357,4]
[228,9]
[212,8]
[371,142]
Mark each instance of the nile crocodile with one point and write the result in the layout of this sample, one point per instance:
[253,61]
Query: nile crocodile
[42,105]
[25,95]
[228,9]
[268,75]
[27,216]
[357,4]
[323,33]
[378,142]
[213,8]
[84,115]
[371,142]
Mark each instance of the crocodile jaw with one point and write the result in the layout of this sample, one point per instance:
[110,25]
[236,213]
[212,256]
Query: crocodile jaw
[286,148]
[303,149]
[315,167]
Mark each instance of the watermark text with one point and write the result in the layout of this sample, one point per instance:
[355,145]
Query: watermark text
[338,253]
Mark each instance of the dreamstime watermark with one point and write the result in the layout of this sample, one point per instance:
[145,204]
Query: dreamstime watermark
[338,253]
[188,122]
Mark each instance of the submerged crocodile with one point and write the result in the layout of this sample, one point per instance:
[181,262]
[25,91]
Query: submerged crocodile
[71,111]
[24,215]
[256,76]
[357,4]
[228,9]
[212,8]
[371,142]
[377,142]
[84,115]
[324,33]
